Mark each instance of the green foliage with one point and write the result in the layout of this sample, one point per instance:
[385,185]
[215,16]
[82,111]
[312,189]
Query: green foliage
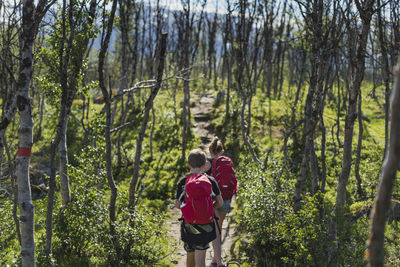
[8,241]
[81,228]
[161,165]
[141,236]
[227,127]
[80,224]
[281,235]
[392,246]
[64,52]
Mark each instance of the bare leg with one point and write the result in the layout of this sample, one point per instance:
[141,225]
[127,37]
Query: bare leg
[216,243]
[190,259]
[200,258]
[221,217]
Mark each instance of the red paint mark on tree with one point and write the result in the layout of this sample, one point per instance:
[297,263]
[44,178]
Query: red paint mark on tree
[24,152]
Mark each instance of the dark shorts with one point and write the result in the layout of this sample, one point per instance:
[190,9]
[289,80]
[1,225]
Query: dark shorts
[197,236]
[191,248]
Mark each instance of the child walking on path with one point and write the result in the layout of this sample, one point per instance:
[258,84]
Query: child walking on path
[222,171]
[197,195]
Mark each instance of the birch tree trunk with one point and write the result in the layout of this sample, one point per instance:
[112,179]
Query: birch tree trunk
[69,76]
[64,176]
[126,10]
[189,26]
[351,113]
[148,106]
[385,71]
[52,185]
[107,129]
[31,17]
[227,39]
[186,29]
[384,194]
[313,16]
[359,147]
[366,11]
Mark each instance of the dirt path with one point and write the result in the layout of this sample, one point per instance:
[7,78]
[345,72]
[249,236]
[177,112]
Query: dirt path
[201,112]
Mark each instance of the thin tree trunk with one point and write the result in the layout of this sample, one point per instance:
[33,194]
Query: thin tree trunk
[107,131]
[42,104]
[244,133]
[124,14]
[69,88]
[124,113]
[228,92]
[338,112]
[385,72]
[384,193]
[297,96]
[152,130]
[323,155]
[227,57]
[64,176]
[185,123]
[308,135]
[302,176]
[351,113]
[359,147]
[31,17]
[25,144]
[366,12]
[52,185]
[148,106]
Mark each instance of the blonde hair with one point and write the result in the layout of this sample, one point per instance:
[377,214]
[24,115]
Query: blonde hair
[196,158]
[216,146]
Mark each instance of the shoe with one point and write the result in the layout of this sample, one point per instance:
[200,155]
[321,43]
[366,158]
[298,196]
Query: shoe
[214,264]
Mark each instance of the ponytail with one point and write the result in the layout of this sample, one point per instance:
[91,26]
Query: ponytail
[216,146]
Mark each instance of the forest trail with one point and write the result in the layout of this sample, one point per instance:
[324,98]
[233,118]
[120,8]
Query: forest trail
[201,112]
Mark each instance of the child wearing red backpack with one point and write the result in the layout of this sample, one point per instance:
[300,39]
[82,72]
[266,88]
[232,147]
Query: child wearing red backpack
[197,195]
[223,173]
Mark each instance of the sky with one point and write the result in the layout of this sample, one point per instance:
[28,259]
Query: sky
[210,6]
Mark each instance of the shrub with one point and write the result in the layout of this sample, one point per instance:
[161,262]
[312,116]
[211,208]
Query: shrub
[281,236]
[8,240]
[82,227]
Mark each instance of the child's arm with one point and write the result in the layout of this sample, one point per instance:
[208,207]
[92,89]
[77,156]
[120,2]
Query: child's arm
[178,204]
[179,194]
[218,201]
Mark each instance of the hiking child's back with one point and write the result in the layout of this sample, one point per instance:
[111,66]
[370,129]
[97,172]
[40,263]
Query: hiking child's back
[222,171]
[197,195]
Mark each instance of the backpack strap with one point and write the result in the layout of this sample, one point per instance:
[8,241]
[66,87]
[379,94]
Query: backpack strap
[216,222]
[214,165]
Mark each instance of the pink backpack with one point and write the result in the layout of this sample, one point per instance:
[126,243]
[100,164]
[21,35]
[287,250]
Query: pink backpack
[222,171]
[198,207]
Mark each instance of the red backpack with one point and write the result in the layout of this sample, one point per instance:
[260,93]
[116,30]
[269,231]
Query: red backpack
[222,171]
[198,207]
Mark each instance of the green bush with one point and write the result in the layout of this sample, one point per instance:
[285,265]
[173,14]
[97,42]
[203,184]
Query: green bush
[281,236]
[8,241]
[141,238]
[82,233]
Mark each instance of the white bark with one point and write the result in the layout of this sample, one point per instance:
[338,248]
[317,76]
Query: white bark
[25,137]
[384,195]
[64,177]
[31,17]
